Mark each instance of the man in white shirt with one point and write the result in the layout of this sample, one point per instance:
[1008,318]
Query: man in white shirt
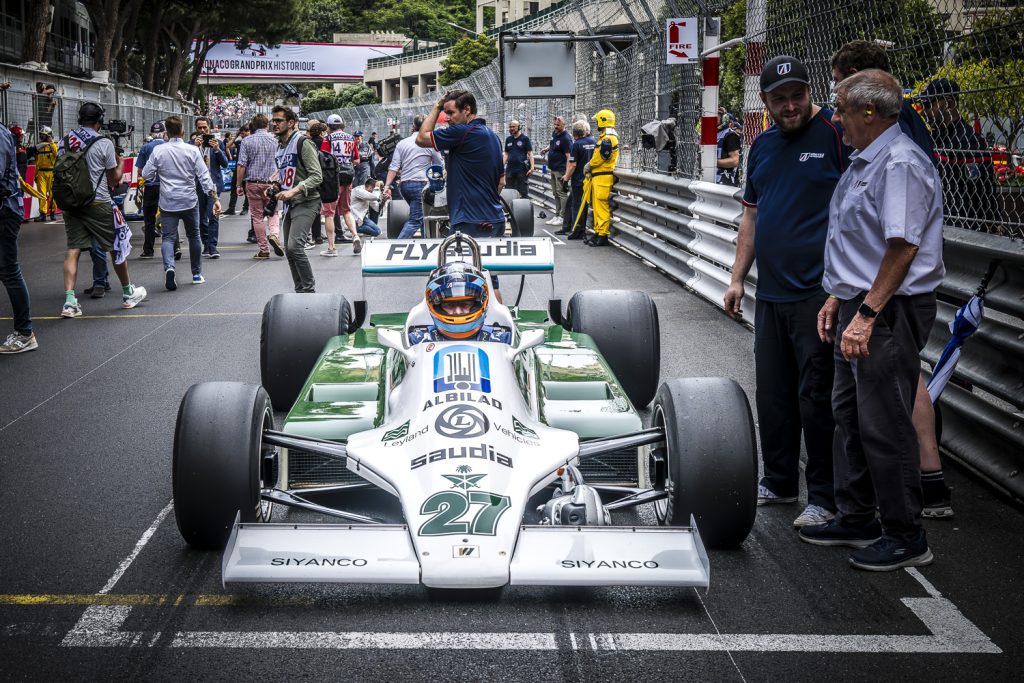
[366,197]
[179,166]
[412,162]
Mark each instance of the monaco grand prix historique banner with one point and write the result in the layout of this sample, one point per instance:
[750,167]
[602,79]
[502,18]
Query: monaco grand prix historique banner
[306,61]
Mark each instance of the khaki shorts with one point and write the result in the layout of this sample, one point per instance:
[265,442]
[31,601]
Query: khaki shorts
[95,221]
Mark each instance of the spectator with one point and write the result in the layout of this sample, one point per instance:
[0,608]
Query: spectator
[179,168]
[46,157]
[254,172]
[22,339]
[792,171]
[965,165]
[475,176]
[233,150]
[216,162]
[412,162]
[518,159]
[20,151]
[316,131]
[365,198]
[855,56]
[298,180]
[95,221]
[150,189]
[558,158]
[580,154]
[374,155]
[363,167]
[728,151]
[883,263]
[343,147]
[46,103]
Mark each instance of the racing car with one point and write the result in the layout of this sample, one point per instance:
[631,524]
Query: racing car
[465,464]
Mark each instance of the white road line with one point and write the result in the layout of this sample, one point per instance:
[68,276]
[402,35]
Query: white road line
[301,640]
[553,236]
[126,562]
[715,626]
[932,590]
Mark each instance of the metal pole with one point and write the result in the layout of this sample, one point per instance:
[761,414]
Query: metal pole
[709,119]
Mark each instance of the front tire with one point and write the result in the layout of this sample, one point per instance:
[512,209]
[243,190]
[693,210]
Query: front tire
[220,465]
[708,461]
[398,214]
[521,215]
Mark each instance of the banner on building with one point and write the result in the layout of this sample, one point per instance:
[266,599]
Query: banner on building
[293,61]
[681,41]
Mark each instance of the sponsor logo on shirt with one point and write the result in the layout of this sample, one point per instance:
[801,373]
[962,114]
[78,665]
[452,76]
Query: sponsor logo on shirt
[811,155]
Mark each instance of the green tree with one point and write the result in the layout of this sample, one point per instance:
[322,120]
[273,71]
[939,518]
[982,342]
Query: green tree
[734,25]
[320,99]
[357,95]
[993,36]
[465,57]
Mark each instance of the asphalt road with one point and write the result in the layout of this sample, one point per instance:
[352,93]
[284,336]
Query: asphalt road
[96,583]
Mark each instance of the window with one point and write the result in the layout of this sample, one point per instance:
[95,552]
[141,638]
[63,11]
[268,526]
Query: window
[532,7]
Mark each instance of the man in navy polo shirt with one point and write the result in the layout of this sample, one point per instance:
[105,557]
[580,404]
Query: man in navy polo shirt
[474,165]
[518,159]
[558,158]
[792,170]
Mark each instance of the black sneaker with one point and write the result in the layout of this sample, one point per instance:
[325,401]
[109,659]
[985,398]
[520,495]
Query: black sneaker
[146,254]
[214,254]
[937,501]
[889,554]
[835,533]
[177,254]
[97,292]
[576,236]
[169,280]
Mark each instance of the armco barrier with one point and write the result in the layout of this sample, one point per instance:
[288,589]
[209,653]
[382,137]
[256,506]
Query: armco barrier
[687,229]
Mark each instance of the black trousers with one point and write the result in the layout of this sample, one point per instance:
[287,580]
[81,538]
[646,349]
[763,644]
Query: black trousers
[150,204]
[794,373]
[877,462]
[518,181]
[572,208]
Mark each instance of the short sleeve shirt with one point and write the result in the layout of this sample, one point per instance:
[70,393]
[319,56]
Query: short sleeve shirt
[474,169]
[561,144]
[580,154]
[100,158]
[518,151]
[790,180]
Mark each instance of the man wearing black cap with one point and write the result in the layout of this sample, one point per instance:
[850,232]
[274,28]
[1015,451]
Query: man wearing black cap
[150,191]
[363,167]
[792,170]
[965,166]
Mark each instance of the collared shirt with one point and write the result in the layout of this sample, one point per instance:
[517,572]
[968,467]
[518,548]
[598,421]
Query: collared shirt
[257,155]
[362,201]
[891,190]
[558,150]
[518,149]
[144,154]
[178,165]
[581,152]
[413,161]
[10,187]
[474,170]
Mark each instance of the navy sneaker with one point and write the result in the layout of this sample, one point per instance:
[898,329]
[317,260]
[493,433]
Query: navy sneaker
[888,554]
[835,533]
[169,282]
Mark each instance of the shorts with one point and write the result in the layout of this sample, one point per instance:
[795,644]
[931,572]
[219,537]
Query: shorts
[344,199]
[95,221]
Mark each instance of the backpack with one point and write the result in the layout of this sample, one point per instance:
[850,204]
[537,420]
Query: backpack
[346,173]
[329,169]
[73,187]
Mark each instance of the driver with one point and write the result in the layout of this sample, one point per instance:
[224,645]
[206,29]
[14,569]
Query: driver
[457,295]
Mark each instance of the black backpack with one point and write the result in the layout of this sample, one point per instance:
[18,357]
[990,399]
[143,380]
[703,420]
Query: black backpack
[329,169]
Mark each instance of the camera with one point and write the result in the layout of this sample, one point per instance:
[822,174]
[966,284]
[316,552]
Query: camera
[207,138]
[116,129]
[271,206]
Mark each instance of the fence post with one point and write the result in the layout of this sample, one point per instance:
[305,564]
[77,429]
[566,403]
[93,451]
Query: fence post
[709,118]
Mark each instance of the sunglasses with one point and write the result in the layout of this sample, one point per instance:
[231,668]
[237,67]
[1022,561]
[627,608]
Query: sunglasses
[277,120]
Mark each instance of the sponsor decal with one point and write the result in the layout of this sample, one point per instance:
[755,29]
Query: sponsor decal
[407,438]
[465,551]
[417,252]
[522,429]
[461,397]
[811,155]
[463,511]
[430,347]
[482,452]
[519,433]
[462,422]
[317,562]
[462,367]
[784,68]
[609,564]
[397,432]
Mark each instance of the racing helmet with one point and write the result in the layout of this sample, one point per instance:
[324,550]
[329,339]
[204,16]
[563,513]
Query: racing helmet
[90,112]
[605,118]
[457,282]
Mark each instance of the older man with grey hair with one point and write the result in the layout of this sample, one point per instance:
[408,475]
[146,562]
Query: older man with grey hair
[883,262]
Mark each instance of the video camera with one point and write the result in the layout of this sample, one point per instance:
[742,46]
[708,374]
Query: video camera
[116,129]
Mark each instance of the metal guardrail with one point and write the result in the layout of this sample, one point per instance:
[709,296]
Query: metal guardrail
[687,229]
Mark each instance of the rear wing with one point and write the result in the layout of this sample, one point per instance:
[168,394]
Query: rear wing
[520,255]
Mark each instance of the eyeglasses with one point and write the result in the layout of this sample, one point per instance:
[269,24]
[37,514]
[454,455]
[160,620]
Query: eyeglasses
[277,120]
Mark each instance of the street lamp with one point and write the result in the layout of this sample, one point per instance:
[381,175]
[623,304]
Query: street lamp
[396,57]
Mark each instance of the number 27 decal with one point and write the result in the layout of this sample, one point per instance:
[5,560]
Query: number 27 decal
[448,507]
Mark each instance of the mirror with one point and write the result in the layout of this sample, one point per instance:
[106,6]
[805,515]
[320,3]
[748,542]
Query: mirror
[527,340]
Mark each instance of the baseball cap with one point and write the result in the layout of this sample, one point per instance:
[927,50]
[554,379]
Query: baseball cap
[357,134]
[783,69]
[940,87]
[157,127]
[333,120]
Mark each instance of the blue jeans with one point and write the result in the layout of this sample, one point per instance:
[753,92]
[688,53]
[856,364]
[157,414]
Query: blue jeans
[99,265]
[362,173]
[10,271]
[412,190]
[209,225]
[169,232]
[368,227]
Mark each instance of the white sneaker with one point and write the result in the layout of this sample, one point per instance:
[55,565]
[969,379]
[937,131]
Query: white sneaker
[554,221]
[812,515]
[357,245]
[19,343]
[766,496]
[329,252]
[135,298]
[71,310]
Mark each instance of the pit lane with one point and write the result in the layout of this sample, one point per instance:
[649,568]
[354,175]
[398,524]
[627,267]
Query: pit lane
[97,583]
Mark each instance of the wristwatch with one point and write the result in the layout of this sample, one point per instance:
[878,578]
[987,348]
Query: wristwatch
[866,311]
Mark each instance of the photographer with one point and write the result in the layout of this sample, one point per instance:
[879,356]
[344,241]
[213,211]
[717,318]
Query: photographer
[298,187]
[95,220]
[216,162]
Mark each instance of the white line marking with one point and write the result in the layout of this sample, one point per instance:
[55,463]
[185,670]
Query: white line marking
[100,626]
[553,236]
[148,534]
[715,626]
[572,639]
[932,590]
[300,640]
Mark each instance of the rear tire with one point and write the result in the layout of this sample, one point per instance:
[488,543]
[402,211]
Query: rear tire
[398,214]
[509,195]
[522,218]
[708,461]
[624,324]
[295,329]
[218,462]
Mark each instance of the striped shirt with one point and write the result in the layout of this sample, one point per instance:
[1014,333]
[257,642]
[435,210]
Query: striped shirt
[257,155]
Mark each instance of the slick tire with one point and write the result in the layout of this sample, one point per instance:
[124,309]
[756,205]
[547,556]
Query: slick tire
[521,215]
[398,214]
